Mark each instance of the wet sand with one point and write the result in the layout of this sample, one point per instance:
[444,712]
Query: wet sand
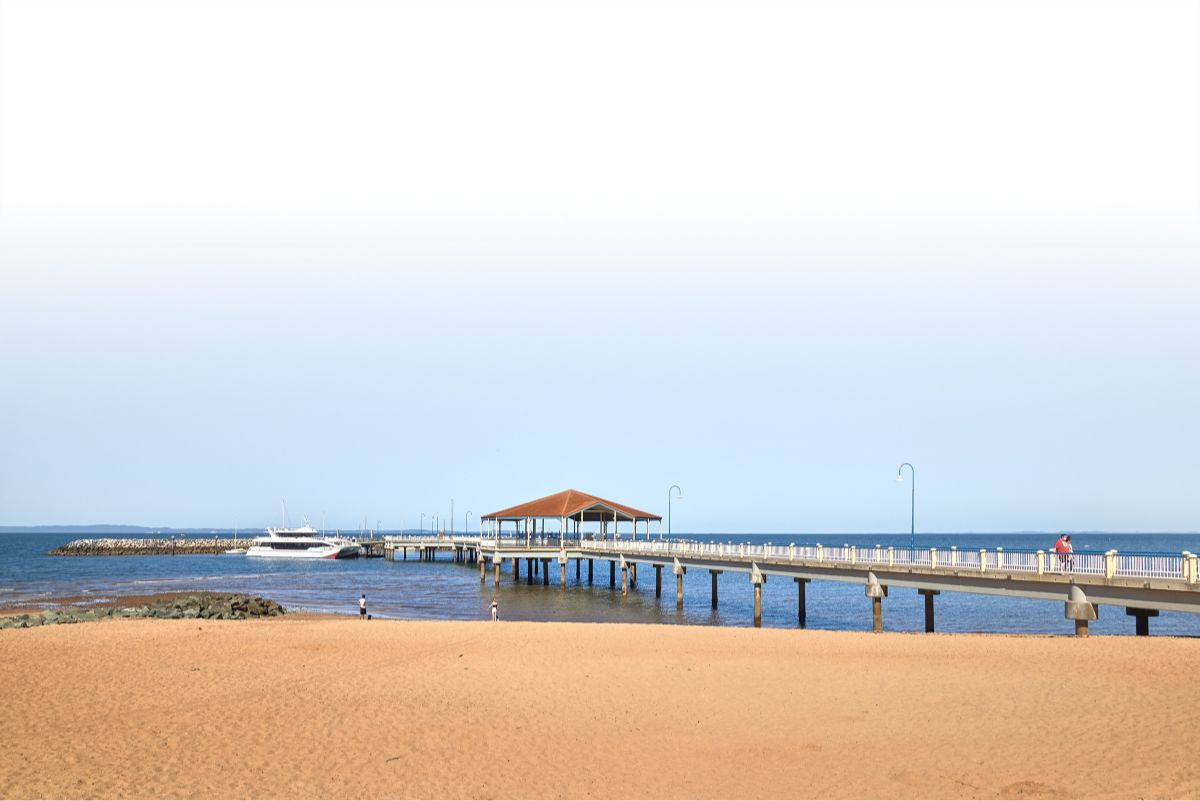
[333,707]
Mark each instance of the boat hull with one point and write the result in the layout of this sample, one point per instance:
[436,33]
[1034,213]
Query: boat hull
[339,552]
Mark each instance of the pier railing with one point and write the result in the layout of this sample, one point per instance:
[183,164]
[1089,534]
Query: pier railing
[1111,564]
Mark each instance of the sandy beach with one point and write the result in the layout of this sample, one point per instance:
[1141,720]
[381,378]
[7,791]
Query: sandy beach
[325,707]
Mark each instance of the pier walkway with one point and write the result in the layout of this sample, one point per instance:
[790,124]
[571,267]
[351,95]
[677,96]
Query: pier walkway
[1143,583]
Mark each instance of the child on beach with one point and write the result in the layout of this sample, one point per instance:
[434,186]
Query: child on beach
[495,609]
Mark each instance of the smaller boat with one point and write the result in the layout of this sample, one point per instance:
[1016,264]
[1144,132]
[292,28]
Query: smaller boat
[236,550]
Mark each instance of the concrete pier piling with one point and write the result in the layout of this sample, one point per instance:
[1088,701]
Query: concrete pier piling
[545,567]
[929,608]
[658,581]
[496,572]
[678,590]
[624,578]
[589,571]
[876,592]
[612,573]
[713,574]
[633,574]
[482,572]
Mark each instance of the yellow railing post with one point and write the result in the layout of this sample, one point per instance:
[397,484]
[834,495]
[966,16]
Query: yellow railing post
[1041,562]
[1110,564]
[982,559]
[891,556]
[932,558]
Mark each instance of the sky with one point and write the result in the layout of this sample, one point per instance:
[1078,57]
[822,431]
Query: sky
[373,257]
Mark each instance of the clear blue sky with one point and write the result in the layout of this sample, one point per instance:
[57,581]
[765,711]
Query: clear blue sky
[381,256]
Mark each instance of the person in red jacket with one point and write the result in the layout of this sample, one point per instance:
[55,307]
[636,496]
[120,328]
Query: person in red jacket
[1062,547]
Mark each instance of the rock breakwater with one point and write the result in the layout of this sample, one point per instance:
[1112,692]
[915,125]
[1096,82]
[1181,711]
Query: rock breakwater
[202,605]
[148,547]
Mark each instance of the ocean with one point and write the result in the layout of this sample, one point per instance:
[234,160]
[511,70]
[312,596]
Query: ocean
[447,591]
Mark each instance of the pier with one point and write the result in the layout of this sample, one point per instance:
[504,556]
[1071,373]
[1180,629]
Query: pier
[1141,584]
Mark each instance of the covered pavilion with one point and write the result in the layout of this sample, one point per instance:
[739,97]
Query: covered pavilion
[571,509]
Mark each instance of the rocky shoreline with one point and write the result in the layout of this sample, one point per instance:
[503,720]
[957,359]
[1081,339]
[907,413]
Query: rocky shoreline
[149,547]
[201,605]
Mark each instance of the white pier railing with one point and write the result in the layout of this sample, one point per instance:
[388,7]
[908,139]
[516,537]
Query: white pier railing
[1108,565]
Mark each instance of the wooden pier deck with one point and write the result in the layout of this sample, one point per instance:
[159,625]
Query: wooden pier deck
[1143,584]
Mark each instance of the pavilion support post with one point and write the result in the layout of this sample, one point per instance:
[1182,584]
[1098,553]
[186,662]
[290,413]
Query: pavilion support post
[658,581]
[496,572]
[612,573]
[577,561]
[929,608]
[713,574]
[545,572]
[801,603]
[529,570]
[589,571]
[624,579]
[516,568]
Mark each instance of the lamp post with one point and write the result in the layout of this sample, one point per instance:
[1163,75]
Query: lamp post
[669,497]
[912,509]
[451,517]
[467,523]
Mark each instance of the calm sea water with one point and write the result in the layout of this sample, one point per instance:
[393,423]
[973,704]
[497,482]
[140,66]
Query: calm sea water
[447,591]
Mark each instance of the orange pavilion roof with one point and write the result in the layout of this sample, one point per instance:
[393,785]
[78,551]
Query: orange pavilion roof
[570,503]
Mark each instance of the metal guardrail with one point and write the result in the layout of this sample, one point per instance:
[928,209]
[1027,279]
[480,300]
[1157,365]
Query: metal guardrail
[1150,565]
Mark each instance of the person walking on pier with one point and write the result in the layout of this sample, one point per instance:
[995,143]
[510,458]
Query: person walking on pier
[362,607]
[1062,549]
[495,609]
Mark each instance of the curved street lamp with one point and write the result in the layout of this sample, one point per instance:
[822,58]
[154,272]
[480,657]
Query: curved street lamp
[669,498]
[467,523]
[912,509]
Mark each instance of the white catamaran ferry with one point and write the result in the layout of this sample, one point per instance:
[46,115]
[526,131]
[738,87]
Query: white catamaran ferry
[304,542]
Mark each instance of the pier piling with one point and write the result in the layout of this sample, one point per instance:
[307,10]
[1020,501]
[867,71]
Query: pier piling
[624,579]
[714,574]
[801,603]
[1141,618]
[929,608]
[658,581]
[678,590]
[545,567]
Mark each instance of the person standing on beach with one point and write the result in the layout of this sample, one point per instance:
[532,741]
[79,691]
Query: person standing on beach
[362,607]
[495,609]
